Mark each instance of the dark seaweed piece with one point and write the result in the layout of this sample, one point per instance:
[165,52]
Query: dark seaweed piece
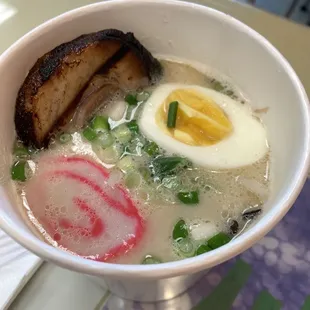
[251,213]
[234,227]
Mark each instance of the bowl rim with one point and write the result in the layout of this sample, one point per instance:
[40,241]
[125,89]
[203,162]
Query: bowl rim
[190,265]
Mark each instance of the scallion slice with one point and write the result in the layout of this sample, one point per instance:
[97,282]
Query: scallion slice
[185,247]
[218,240]
[122,133]
[18,171]
[105,139]
[172,114]
[89,134]
[133,180]
[203,248]
[100,123]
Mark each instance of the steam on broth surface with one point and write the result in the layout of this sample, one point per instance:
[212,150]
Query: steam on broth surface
[126,188]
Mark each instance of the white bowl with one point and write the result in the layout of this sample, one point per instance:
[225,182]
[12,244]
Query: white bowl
[187,31]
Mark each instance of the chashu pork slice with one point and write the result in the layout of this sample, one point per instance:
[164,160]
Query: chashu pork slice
[128,72]
[59,80]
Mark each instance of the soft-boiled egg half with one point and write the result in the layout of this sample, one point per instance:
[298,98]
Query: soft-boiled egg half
[211,129]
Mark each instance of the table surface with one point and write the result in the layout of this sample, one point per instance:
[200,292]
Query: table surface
[18,17]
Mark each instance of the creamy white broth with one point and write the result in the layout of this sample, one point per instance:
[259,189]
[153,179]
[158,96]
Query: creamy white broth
[223,194]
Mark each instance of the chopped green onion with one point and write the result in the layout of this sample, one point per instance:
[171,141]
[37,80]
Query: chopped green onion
[105,139]
[189,198]
[203,248]
[143,96]
[65,138]
[180,231]
[109,155]
[172,114]
[126,164]
[18,171]
[122,133]
[133,180]
[150,259]
[21,151]
[131,99]
[89,134]
[145,173]
[185,246]
[133,126]
[151,148]
[100,123]
[218,240]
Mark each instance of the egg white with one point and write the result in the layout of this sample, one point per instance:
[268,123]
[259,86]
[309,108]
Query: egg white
[244,146]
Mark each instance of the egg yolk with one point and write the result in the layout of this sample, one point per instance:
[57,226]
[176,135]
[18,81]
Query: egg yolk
[200,121]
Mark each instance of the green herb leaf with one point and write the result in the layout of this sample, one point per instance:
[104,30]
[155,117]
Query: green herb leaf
[163,166]
[133,126]
[180,231]
[203,248]
[218,240]
[189,198]
[151,148]
[131,99]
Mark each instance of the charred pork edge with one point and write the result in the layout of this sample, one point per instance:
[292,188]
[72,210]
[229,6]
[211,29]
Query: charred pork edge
[151,65]
[47,65]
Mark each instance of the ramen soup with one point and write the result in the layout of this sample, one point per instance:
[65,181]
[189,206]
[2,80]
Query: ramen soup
[135,160]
